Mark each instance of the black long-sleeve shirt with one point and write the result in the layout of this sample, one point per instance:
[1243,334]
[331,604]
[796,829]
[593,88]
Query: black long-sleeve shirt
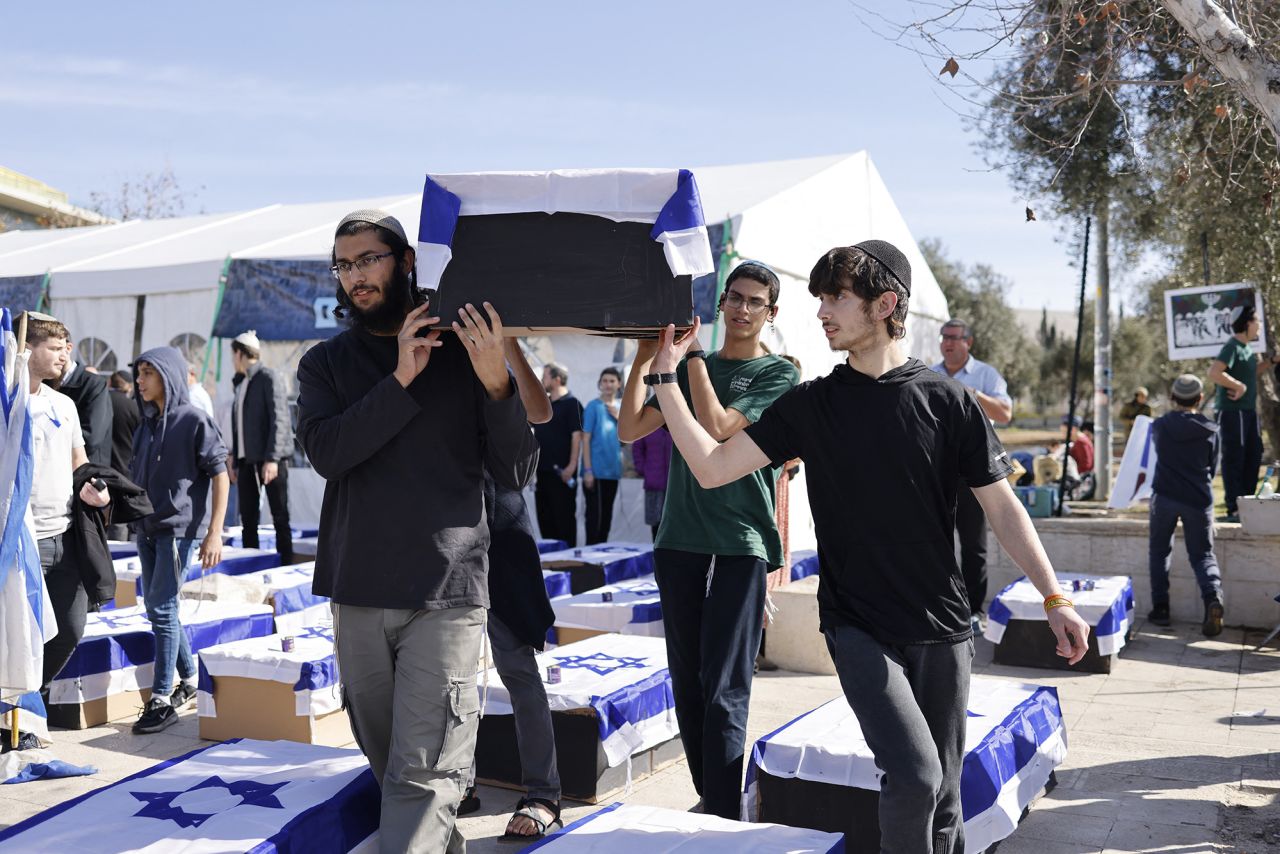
[403,520]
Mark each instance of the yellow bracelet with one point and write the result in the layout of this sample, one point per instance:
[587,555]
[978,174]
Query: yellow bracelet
[1059,601]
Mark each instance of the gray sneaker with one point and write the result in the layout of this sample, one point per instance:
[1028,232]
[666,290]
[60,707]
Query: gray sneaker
[182,695]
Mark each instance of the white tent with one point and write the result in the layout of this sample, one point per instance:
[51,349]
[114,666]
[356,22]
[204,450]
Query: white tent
[136,285]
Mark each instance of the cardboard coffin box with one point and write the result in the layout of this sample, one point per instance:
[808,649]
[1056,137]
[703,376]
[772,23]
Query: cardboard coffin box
[564,272]
[1029,643]
[266,710]
[585,774]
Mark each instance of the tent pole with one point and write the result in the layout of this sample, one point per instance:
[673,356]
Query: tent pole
[217,309]
[1075,369]
[44,291]
[727,254]
[13,728]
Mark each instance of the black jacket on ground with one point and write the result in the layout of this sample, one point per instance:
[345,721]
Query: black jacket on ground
[125,418]
[86,539]
[268,434]
[403,520]
[89,393]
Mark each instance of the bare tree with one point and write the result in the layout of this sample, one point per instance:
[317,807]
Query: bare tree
[153,195]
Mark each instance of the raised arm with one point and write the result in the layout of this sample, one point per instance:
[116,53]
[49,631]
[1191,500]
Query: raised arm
[635,420]
[712,463]
[338,437]
[537,405]
[1018,536]
[719,422]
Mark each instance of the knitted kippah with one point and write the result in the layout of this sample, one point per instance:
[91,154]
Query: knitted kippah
[1187,387]
[374,216]
[893,260]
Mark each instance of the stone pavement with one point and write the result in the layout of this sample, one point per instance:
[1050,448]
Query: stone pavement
[1178,750]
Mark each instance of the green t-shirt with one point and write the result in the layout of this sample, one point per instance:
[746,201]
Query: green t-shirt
[737,518]
[1242,364]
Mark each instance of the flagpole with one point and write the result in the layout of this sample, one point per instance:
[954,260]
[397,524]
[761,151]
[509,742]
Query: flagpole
[21,337]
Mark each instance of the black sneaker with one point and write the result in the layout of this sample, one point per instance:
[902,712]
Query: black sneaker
[156,716]
[26,741]
[1159,615]
[182,695]
[470,802]
[1213,613]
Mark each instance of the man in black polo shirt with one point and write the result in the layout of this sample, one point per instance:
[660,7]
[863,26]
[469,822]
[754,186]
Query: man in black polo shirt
[887,444]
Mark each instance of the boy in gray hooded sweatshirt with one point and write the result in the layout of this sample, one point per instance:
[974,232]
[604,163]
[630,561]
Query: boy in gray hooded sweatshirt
[177,452]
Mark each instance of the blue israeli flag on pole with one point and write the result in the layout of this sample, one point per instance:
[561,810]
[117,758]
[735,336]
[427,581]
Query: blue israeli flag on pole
[26,617]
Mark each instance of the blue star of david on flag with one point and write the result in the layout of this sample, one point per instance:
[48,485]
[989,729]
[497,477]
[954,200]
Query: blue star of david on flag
[316,632]
[600,663]
[159,805]
[642,590]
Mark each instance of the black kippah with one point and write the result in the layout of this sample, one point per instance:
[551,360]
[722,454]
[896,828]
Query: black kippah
[893,260]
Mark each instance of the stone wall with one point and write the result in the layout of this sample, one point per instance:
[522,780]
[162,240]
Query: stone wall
[1250,565]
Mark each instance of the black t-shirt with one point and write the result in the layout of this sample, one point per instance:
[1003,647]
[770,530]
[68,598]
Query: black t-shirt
[555,437]
[124,422]
[884,459]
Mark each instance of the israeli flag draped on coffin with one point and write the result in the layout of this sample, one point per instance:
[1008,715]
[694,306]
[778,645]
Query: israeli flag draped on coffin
[603,250]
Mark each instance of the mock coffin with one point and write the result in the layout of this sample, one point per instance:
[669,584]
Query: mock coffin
[629,607]
[108,677]
[612,711]
[591,567]
[818,771]
[254,688]
[610,251]
[1017,624]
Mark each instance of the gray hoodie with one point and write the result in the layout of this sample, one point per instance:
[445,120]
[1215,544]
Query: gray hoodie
[175,451]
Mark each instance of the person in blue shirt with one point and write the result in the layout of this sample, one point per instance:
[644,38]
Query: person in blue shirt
[992,393]
[601,456]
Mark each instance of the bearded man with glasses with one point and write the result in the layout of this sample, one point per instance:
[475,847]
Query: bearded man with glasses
[714,547]
[402,422]
[992,393]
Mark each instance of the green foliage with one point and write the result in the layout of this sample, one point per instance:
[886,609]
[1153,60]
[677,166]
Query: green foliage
[976,295]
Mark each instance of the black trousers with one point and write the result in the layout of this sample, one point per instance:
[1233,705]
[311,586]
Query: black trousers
[971,525]
[712,614]
[248,482]
[1241,454]
[557,507]
[911,702]
[599,500]
[70,605]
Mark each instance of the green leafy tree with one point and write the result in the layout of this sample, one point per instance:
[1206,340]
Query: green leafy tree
[977,294]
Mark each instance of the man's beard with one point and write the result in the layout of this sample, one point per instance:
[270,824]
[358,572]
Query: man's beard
[388,315]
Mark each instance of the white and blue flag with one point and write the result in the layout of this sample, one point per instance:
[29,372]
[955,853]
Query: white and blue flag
[667,199]
[260,796]
[26,616]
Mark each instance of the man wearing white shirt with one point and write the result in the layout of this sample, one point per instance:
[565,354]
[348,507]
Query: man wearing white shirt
[58,449]
[992,393]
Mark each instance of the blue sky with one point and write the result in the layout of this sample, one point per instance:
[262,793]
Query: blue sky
[254,103]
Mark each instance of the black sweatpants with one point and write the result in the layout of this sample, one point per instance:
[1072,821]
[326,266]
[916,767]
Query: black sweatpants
[557,507]
[971,525]
[911,702]
[712,614]
[70,604]
[599,501]
[1241,454]
[248,482]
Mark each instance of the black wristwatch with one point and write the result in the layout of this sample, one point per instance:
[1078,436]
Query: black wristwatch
[696,354]
[659,379]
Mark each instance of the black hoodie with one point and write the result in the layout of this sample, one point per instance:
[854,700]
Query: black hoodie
[885,458]
[1186,457]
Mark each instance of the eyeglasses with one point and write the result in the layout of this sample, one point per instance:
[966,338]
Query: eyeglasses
[364,265]
[952,337]
[733,299]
